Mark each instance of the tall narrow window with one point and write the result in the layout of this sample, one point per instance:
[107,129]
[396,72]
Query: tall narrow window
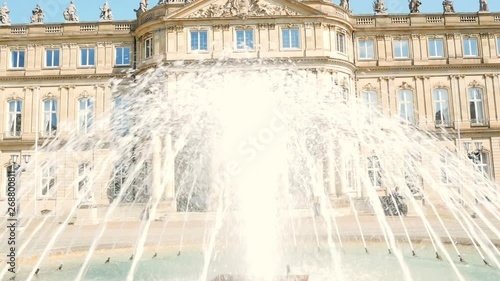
[52,58]
[87,57]
[84,170]
[476,106]
[470,47]
[244,39]
[119,179]
[50,117]
[18,58]
[122,56]
[48,175]
[120,116]
[374,171]
[401,49]
[370,99]
[148,48]
[366,50]
[436,49]
[14,118]
[290,38]
[406,110]
[341,42]
[482,165]
[85,114]
[199,40]
[441,108]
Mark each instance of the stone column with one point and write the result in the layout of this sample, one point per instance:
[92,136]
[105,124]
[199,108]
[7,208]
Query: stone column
[417,52]
[490,102]
[450,43]
[388,48]
[420,91]
[464,102]
[455,101]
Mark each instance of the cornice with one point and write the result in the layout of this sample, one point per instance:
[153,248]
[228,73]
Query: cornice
[395,68]
[61,77]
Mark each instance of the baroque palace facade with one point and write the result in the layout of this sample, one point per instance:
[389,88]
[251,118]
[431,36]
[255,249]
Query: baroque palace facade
[437,71]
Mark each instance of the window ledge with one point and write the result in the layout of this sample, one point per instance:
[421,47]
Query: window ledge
[6,136]
[51,67]
[363,60]
[17,68]
[86,66]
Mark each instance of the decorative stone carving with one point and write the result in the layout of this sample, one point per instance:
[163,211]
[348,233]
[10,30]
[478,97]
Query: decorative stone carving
[4,14]
[143,7]
[344,4]
[406,86]
[84,95]
[379,7]
[50,96]
[475,84]
[441,85]
[415,6]
[14,96]
[243,9]
[370,87]
[70,13]
[448,7]
[483,6]
[37,15]
[106,12]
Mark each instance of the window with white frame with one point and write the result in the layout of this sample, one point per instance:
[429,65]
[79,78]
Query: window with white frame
[120,117]
[476,106]
[87,57]
[84,170]
[482,165]
[406,109]
[436,48]
[49,118]
[441,108]
[470,47]
[290,37]
[244,39]
[341,46]
[14,118]
[85,114]
[17,58]
[48,176]
[411,173]
[370,99]
[122,56]
[142,182]
[401,49]
[374,171]
[119,178]
[199,40]
[52,58]
[148,47]
[366,50]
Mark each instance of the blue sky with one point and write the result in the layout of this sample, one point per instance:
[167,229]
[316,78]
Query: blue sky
[88,10]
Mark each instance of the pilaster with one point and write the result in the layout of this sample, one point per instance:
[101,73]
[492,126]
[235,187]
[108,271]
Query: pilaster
[4,51]
[27,125]
[464,102]
[490,102]
[417,51]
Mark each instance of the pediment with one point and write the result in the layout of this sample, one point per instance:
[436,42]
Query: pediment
[243,9]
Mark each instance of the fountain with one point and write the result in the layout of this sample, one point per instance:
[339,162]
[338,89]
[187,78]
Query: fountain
[257,171]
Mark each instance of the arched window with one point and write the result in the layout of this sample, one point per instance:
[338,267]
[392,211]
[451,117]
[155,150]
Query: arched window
[14,118]
[476,106]
[406,109]
[49,118]
[441,108]
[85,114]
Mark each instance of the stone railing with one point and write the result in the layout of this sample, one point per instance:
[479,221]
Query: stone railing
[53,29]
[69,28]
[426,20]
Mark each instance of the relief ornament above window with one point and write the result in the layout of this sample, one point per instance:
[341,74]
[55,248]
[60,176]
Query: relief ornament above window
[243,8]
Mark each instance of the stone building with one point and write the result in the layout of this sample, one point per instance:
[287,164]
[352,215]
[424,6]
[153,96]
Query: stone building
[433,70]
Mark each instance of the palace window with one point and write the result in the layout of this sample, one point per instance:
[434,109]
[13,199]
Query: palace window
[49,118]
[87,57]
[122,56]
[48,174]
[14,118]
[52,58]
[441,108]
[436,48]
[482,166]
[370,99]
[18,58]
[366,50]
[244,39]
[84,170]
[85,114]
[406,110]
[290,38]
[470,47]
[341,43]
[148,48]
[476,106]
[199,40]
[120,117]
[401,49]
[374,171]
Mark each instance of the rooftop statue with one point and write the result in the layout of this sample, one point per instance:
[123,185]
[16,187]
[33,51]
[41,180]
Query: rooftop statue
[344,4]
[37,15]
[414,6]
[4,14]
[143,7]
[379,7]
[483,6]
[448,6]
[106,14]
[70,13]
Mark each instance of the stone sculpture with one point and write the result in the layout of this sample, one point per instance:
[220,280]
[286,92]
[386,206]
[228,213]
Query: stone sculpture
[37,15]
[4,14]
[143,7]
[448,6]
[379,7]
[243,8]
[415,6]
[106,13]
[483,6]
[344,4]
[70,13]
